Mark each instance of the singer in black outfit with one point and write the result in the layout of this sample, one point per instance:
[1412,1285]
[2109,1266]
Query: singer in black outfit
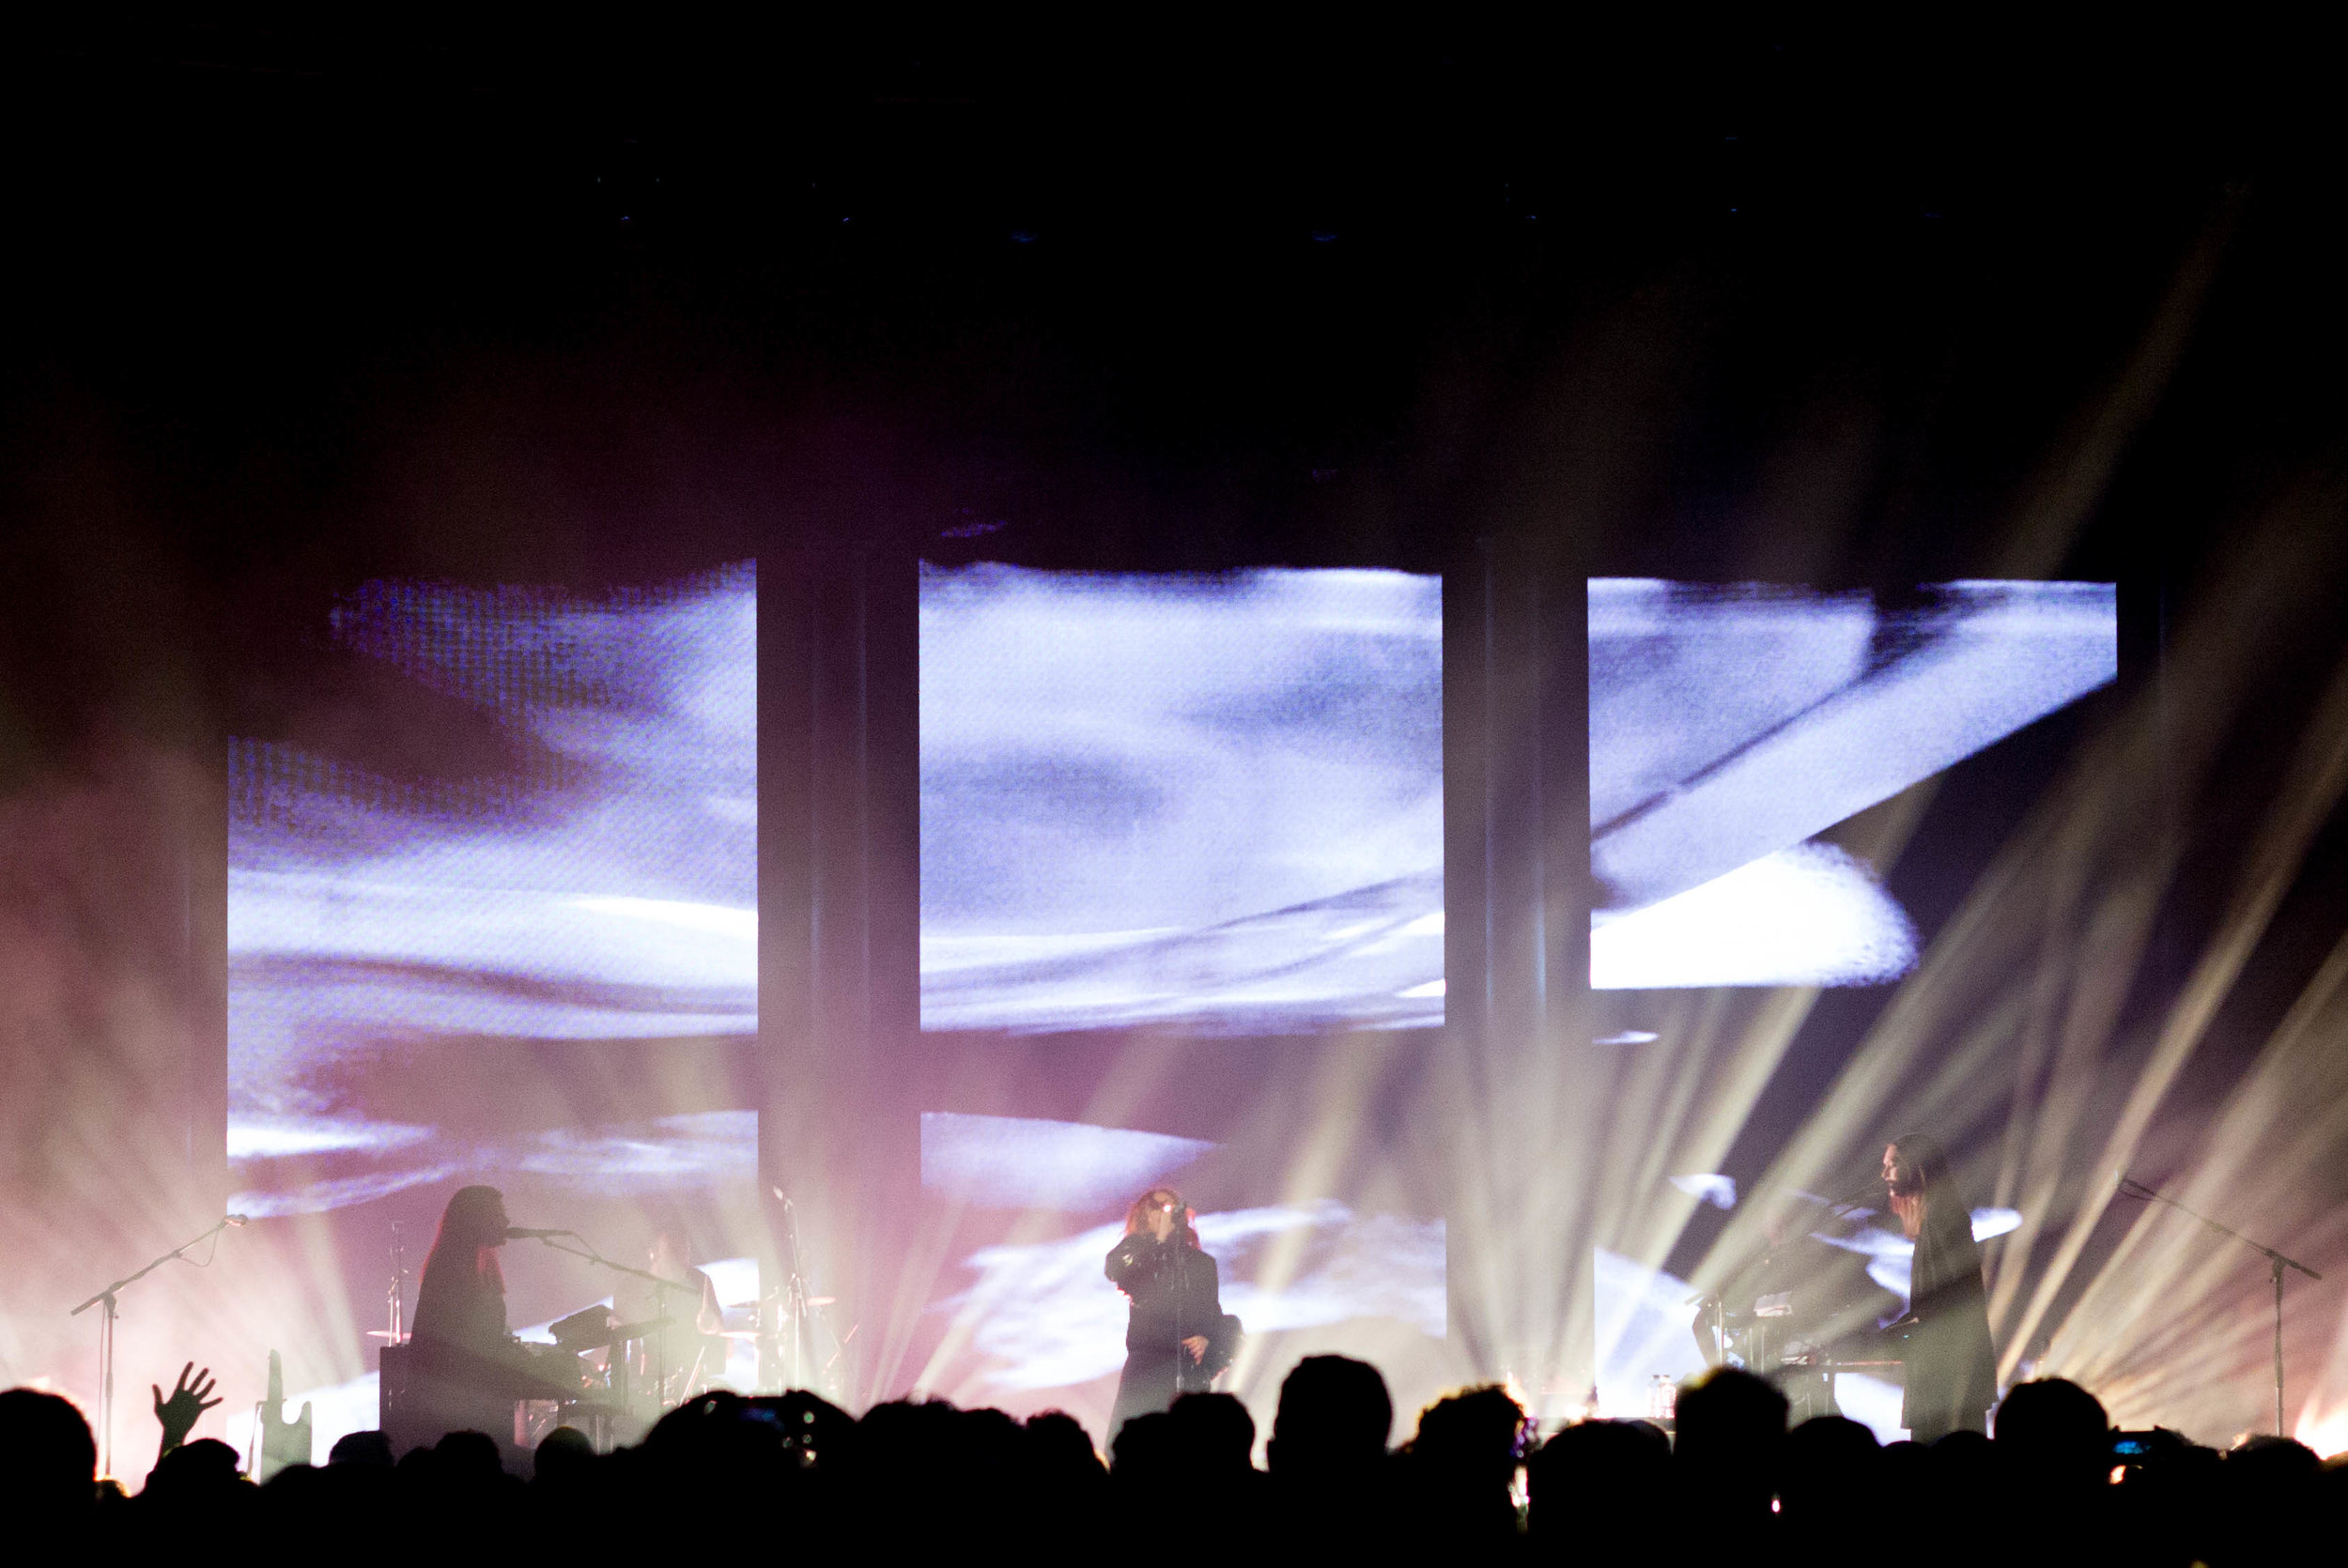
[465,1368]
[460,1305]
[1951,1366]
[1171,1282]
[460,1356]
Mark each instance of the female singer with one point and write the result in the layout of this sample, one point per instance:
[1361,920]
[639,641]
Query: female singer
[1171,1282]
[461,1304]
[460,1359]
[1952,1365]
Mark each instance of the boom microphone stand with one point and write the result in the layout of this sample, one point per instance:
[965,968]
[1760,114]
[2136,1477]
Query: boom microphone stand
[2276,1262]
[106,1338]
[660,1304]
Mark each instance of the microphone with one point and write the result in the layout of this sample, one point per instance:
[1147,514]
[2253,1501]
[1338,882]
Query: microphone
[239,1219]
[2131,1188]
[1871,1195]
[518,1233]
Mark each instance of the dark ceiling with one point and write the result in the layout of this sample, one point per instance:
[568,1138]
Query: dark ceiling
[297,303]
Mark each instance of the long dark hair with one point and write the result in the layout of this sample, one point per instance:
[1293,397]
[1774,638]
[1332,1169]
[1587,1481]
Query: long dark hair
[471,1227]
[1137,1217]
[1920,1169]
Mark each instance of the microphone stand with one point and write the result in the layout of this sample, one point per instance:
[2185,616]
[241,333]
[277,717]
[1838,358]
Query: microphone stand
[2276,1262]
[1182,1308]
[660,1307]
[106,1298]
[395,1332]
[795,1302]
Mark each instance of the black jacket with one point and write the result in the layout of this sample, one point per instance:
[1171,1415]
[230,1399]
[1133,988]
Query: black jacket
[1952,1365]
[1172,1286]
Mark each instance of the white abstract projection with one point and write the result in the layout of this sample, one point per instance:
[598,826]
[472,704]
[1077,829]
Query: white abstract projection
[1730,727]
[598,885]
[1150,798]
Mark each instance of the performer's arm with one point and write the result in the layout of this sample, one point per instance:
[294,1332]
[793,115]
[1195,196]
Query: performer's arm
[1129,1257]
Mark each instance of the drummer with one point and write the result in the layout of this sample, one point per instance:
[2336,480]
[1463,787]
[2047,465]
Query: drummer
[687,1352]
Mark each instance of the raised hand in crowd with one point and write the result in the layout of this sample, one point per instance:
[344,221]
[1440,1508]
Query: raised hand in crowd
[178,1413]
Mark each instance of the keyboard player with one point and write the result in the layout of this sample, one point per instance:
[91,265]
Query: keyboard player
[464,1369]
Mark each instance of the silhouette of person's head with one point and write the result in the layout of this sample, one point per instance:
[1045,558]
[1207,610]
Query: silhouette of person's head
[2273,1458]
[370,1448]
[562,1457]
[196,1477]
[1060,1448]
[2267,1496]
[48,1462]
[1965,1467]
[1335,1417]
[1066,1486]
[2053,1433]
[1143,1455]
[1212,1434]
[1477,1436]
[1731,1427]
[1599,1483]
[1829,1460]
[462,1457]
[1458,1468]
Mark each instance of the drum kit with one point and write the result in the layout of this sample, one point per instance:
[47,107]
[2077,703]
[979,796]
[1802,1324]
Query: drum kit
[653,1365]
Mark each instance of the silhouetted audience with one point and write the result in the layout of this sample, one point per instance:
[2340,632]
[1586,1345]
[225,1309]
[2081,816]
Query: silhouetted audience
[1725,1459]
[1595,1489]
[1458,1470]
[1327,1457]
[48,1461]
[795,1473]
[1829,1473]
[370,1449]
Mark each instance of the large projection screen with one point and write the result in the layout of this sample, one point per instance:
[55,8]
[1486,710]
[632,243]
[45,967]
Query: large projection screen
[493,918]
[1211,802]
[1732,727]
[1186,819]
